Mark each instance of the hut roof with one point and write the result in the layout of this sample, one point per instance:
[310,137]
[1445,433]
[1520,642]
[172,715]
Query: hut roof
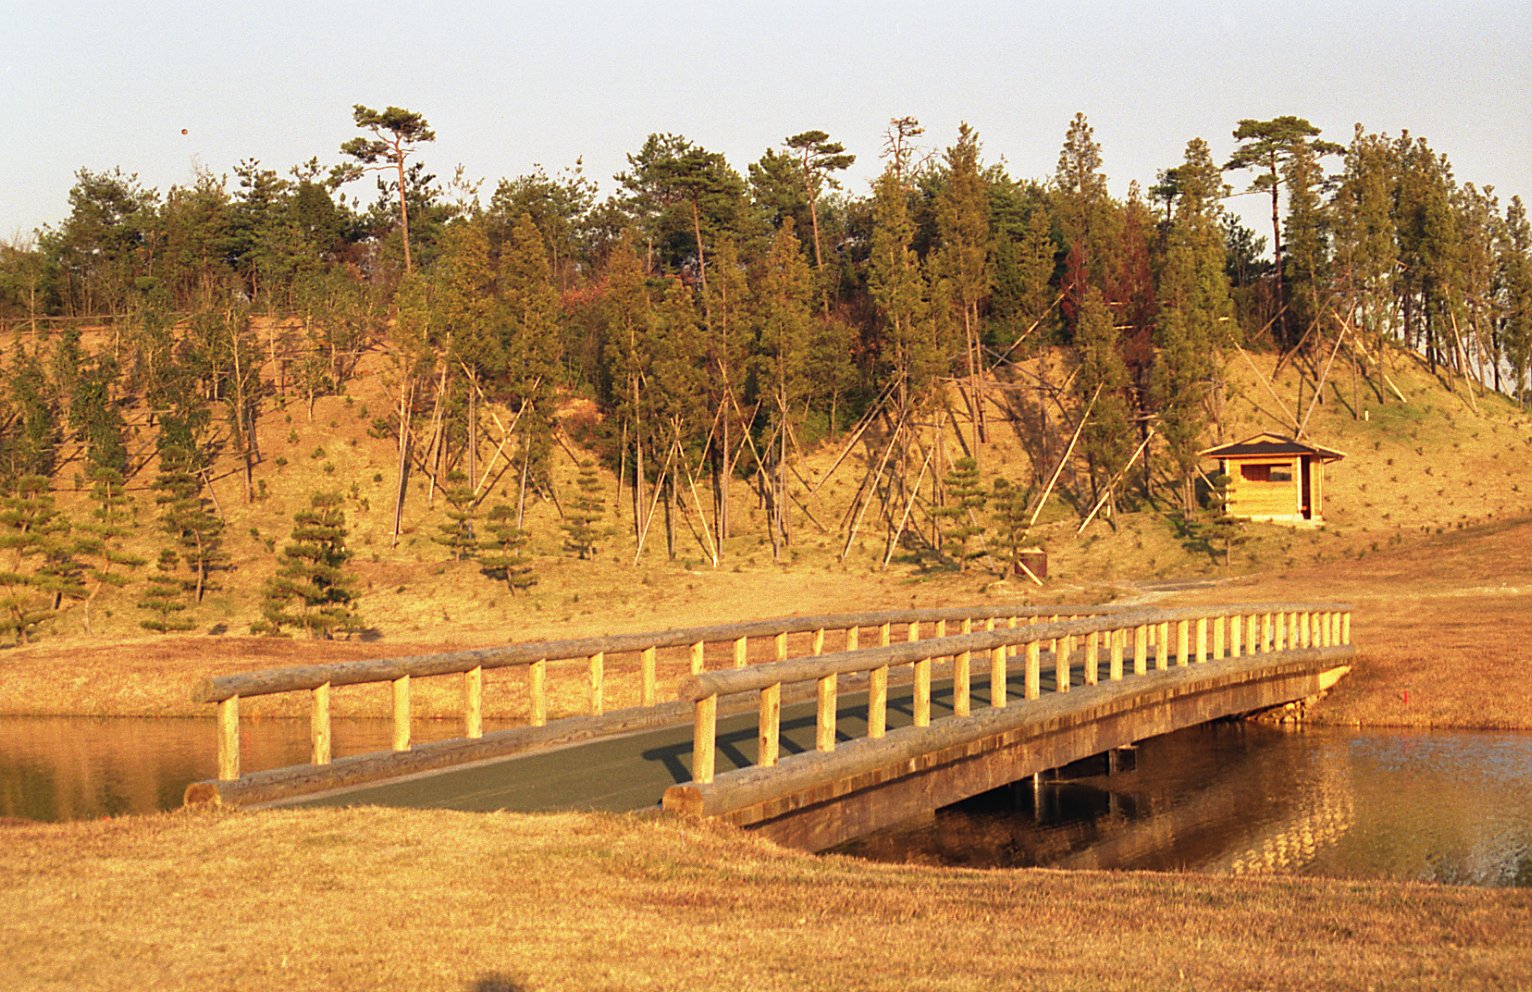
[1263,445]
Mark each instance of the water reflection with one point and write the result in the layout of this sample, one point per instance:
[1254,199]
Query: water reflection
[1250,799]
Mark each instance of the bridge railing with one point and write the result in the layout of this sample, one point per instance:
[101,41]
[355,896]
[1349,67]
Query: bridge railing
[1179,636]
[732,641]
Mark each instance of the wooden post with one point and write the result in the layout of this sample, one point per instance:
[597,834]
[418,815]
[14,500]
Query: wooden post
[1202,640]
[997,657]
[884,638]
[1092,658]
[853,638]
[1219,623]
[941,628]
[228,739]
[1345,627]
[741,651]
[1183,642]
[473,703]
[782,646]
[1140,650]
[1162,655]
[537,695]
[912,634]
[824,734]
[768,740]
[1236,628]
[1253,632]
[697,650]
[646,671]
[923,692]
[319,726]
[877,701]
[1292,630]
[1034,669]
[1268,629]
[402,713]
[1062,647]
[598,683]
[1115,639]
[1306,628]
[704,737]
[1010,624]
[962,676]
[818,647]
[1279,632]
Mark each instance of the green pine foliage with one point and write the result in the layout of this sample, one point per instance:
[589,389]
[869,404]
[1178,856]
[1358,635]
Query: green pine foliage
[312,590]
[99,540]
[37,567]
[457,533]
[961,520]
[502,550]
[187,515]
[1107,437]
[164,597]
[1009,505]
[583,515]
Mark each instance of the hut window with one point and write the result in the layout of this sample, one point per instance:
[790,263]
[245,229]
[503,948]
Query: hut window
[1282,474]
[1255,473]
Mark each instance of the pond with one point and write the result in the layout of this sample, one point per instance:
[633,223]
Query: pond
[1231,797]
[1244,798]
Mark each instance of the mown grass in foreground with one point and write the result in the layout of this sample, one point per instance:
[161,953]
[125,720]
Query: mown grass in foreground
[431,900]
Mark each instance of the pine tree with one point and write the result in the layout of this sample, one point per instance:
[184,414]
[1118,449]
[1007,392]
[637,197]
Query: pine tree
[37,568]
[165,597]
[100,538]
[1009,504]
[582,518]
[185,512]
[960,519]
[502,553]
[311,589]
[962,219]
[457,534]
[1101,385]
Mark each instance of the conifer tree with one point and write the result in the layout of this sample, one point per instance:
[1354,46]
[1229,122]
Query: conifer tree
[960,519]
[311,589]
[784,306]
[165,597]
[36,565]
[502,550]
[582,517]
[185,512]
[533,347]
[1101,385]
[1009,503]
[457,533]
[962,220]
[100,539]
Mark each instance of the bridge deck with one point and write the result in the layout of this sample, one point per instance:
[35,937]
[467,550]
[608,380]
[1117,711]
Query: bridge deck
[632,772]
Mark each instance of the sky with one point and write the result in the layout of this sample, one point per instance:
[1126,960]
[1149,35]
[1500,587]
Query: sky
[509,86]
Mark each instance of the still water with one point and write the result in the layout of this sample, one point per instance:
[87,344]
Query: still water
[1236,798]
[1451,807]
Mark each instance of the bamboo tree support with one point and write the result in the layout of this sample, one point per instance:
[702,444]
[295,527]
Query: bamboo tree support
[768,744]
[877,701]
[704,738]
[537,695]
[646,666]
[1059,469]
[402,713]
[997,660]
[1112,485]
[597,683]
[473,703]
[824,732]
[228,739]
[319,726]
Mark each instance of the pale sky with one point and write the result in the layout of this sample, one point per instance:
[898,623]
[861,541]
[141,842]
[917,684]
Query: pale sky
[508,85]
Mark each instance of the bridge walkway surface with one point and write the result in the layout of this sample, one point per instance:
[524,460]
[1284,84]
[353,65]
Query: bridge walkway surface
[632,772]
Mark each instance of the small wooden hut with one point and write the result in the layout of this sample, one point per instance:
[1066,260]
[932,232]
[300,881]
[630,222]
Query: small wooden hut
[1275,478]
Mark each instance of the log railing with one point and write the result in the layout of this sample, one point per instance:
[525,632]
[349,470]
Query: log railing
[731,641]
[1110,646]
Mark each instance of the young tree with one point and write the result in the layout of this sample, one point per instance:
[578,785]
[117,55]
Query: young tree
[502,551]
[100,539]
[960,519]
[311,589]
[582,518]
[1102,387]
[457,533]
[962,220]
[818,156]
[36,565]
[186,514]
[395,134]
[1010,505]
[165,597]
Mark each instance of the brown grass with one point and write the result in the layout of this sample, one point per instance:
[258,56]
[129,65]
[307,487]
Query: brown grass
[370,899]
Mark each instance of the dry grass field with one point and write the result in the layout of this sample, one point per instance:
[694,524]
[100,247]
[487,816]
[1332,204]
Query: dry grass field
[380,899]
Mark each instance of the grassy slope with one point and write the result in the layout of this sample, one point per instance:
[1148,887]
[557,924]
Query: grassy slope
[437,900]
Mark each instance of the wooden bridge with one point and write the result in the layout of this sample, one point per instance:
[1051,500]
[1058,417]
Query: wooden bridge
[807,746]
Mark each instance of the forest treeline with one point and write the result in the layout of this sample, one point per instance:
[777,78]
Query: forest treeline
[724,322]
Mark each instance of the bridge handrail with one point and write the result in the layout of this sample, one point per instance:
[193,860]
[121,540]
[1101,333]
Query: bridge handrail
[227,690]
[1244,628]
